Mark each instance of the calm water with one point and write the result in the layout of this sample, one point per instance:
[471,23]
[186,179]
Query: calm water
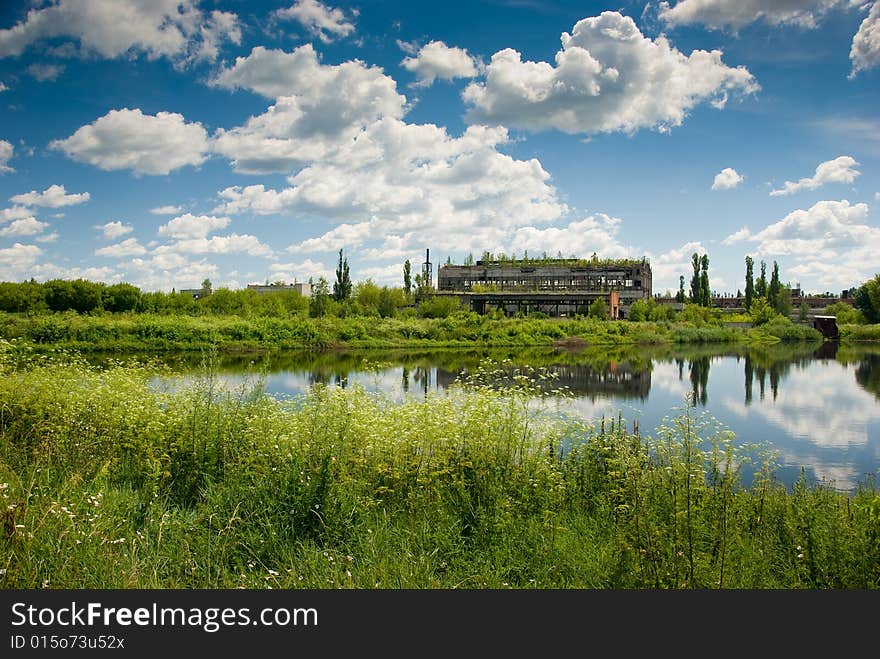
[818,409]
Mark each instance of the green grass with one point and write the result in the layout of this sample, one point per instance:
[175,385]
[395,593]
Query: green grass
[109,482]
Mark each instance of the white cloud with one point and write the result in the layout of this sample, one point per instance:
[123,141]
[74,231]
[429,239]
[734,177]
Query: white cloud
[176,29]
[231,244]
[55,196]
[830,243]
[15,261]
[114,230]
[840,170]
[408,179]
[44,72]
[437,60]
[668,266]
[130,139]
[607,77]
[345,235]
[737,236]
[28,226]
[718,14]
[15,213]
[189,226]
[727,179]
[48,238]
[45,271]
[128,247]
[310,120]
[6,150]
[302,271]
[165,210]
[325,23]
[596,233]
[865,50]
[169,271]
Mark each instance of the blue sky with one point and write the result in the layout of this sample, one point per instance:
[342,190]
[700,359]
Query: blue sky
[160,142]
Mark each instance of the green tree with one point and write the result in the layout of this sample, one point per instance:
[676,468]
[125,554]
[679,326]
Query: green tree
[639,311]
[867,299]
[598,309]
[750,281]
[320,298]
[342,285]
[407,277]
[696,295]
[774,289]
[705,291]
[680,296]
[121,297]
[761,284]
[804,311]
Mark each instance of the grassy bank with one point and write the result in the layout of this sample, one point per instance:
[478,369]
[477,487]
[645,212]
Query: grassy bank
[152,332]
[109,483]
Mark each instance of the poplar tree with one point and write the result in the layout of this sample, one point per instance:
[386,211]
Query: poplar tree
[407,277]
[774,289]
[696,295]
[761,284]
[342,285]
[750,281]
[705,292]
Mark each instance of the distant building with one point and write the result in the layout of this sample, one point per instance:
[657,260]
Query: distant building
[556,287]
[303,289]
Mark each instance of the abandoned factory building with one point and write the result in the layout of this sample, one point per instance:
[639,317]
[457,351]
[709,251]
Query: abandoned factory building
[556,287]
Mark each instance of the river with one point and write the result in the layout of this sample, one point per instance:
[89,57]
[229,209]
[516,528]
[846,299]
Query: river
[817,408]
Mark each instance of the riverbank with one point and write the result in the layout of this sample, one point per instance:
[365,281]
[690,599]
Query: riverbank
[161,333]
[109,483]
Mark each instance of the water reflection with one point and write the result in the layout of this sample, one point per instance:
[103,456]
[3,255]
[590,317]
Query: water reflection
[816,406]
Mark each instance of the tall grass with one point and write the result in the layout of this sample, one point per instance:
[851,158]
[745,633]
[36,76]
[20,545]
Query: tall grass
[108,482]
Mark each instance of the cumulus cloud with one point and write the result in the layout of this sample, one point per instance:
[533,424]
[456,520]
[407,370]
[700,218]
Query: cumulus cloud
[719,14]
[345,235]
[830,242]
[6,150]
[668,266]
[865,50]
[437,60]
[415,180]
[310,120]
[55,196]
[737,236]
[301,271]
[325,23]
[231,244]
[840,170]
[176,29]
[607,77]
[595,233]
[16,260]
[727,179]
[128,247]
[130,139]
[28,226]
[114,230]
[15,213]
[190,226]
[165,210]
